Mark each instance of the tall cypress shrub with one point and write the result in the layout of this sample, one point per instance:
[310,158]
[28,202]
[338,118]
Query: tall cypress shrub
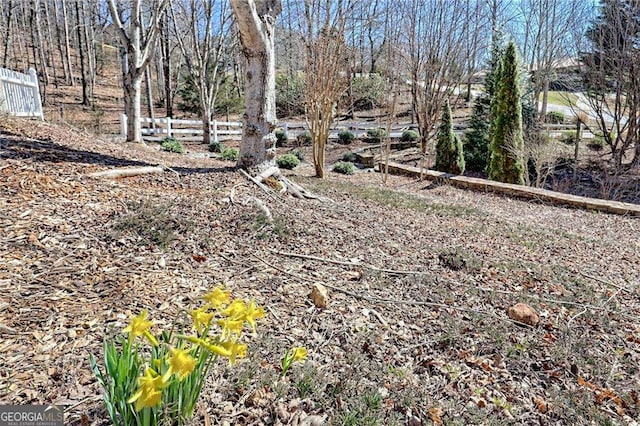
[476,140]
[449,154]
[506,163]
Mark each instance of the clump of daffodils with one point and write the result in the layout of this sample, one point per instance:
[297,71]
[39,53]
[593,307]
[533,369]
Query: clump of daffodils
[158,377]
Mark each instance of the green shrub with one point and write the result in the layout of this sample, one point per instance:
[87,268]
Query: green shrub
[345,137]
[555,117]
[409,136]
[368,92]
[568,138]
[344,167]
[304,139]
[376,135]
[349,157]
[281,138]
[216,146]
[228,100]
[449,150]
[596,144]
[298,153]
[289,95]
[230,154]
[172,145]
[288,161]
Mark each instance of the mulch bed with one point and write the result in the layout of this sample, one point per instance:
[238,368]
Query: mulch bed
[409,337]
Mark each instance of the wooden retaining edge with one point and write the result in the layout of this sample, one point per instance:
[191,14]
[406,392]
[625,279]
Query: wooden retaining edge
[477,184]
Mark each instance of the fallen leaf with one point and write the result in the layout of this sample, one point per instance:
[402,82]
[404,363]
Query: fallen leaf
[435,414]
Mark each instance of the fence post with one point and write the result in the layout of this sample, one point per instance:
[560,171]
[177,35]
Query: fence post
[215,131]
[36,93]
[123,125]
[169,130]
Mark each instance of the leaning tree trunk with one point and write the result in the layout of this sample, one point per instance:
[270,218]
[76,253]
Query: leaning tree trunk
[256,22]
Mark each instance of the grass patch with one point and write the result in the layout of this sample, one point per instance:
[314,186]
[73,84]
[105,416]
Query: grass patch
[561,98]
[388,197]
[151,222]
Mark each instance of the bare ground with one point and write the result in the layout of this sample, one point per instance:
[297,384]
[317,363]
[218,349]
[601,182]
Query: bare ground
[416,331]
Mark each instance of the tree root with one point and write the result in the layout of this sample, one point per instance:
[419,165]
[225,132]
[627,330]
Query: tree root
[286,184]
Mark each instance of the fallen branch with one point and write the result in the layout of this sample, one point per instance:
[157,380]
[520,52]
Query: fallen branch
[127,172]
[345,263]
[373,299]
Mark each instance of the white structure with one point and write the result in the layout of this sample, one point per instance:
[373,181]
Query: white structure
[158,129]
[20,94]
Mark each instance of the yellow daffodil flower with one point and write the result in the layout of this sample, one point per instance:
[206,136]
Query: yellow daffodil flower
[252,313]
[201,319]
[139,326]
[299,354]
[181,363]
[217,297]
[230,350]
[231,326]
[196,340]
[149,392]
[235,310]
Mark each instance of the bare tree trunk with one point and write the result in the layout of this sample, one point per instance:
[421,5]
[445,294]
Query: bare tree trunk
[50,49]
[89,43]
[147,75]
[545,98]
[139,42]
[256,22]
[67,49]
[132,91]
[81,50]
[578,138]
[56,18]
[166,64]
[7,36]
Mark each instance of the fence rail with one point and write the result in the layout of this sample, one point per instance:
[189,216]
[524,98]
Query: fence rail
[20,93]
[157,129]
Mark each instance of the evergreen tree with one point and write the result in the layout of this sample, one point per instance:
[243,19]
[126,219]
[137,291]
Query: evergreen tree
[449,154]
[506,163]
[476,146]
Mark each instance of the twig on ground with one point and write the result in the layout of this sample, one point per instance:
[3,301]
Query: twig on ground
[170,169]
[603,281]
[261,206]
[373,299]
[345,263]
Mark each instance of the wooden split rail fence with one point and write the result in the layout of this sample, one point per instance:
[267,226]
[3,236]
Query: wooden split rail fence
[20,94]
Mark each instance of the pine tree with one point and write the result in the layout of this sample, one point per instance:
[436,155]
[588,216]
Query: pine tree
[476,144]
[449,153]
[506,163]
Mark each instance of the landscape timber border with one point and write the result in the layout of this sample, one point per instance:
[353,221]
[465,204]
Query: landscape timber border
[519,191]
